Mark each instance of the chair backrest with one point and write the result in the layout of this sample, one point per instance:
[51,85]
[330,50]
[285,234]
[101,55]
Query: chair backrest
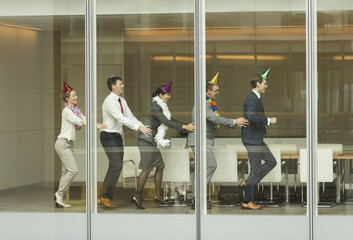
[325,165]
[177,165]
[131,153]
[239,148]
[275,174]
[285,148]
[227,166]
[336,148]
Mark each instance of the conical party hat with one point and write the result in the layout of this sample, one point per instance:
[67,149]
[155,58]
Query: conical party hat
[264,75]
[166,88]
[214,80]
[66,88]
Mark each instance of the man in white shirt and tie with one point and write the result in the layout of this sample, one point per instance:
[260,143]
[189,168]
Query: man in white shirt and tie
[116,116]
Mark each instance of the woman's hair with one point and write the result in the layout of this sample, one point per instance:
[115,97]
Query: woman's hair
[112,81]
[256,79]
[66,95]
[158,91]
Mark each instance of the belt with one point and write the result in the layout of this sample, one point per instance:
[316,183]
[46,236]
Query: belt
[113,133]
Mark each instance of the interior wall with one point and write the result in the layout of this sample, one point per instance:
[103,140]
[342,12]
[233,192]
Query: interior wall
[25,95]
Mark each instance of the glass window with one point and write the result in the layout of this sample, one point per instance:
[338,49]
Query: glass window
[257,51]
[144,169]
[42,141]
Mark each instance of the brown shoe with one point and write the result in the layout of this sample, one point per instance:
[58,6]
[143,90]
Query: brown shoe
[250,206]
[243,185]
[107,202]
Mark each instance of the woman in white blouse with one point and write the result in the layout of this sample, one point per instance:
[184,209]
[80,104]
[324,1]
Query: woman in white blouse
[72,120]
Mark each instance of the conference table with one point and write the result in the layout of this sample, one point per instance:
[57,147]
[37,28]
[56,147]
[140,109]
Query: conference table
[340,158]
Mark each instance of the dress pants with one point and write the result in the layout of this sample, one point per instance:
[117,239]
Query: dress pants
[258,171]
[211,163]
[113,147]
[64,149]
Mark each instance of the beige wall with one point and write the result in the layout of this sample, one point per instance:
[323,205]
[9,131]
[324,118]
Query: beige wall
[26,99]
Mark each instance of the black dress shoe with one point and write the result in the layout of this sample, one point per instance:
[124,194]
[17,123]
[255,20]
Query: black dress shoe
[138,205]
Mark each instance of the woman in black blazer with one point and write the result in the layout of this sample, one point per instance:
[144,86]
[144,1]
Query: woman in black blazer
[159,119]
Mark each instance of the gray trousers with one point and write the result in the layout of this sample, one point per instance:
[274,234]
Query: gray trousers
[64,149]
[211,163]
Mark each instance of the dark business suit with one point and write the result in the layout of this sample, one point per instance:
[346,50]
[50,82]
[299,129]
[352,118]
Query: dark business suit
[252,137]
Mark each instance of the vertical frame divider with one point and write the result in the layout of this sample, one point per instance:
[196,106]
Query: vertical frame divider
[200,120]
[91,100]
[311,111]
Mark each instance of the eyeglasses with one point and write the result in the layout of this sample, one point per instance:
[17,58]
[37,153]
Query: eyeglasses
[216,91]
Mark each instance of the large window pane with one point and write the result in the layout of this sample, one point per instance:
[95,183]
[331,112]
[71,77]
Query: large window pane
[148,45]
[244,38]
[334,164]
[42,45]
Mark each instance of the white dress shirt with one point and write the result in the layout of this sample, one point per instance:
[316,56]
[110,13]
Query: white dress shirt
[68,122]
[258,95]
[114,119]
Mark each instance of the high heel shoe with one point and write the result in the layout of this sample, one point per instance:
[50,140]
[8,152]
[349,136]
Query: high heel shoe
[160,201]
[59,203]
[243,185]
[138,205]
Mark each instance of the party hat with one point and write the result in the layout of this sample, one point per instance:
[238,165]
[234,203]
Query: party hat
[214,80]
[66,88]
[166,88]
[264,75]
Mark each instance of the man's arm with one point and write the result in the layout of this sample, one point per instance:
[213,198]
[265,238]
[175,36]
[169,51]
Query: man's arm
[212,117]
[112,110]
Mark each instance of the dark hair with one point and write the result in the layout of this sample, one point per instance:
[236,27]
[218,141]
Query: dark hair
[66,95]
[209,86]
[256,79]
[112,81]
[158,91]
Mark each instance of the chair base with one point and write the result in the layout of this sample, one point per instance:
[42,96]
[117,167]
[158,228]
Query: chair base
[271,204]
[323,204]
[348,201]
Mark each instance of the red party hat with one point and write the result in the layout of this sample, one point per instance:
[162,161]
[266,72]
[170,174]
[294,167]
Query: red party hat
[66,88]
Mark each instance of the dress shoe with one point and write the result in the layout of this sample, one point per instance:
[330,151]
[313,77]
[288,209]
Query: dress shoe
[243,185]
[159,200]
[250,206]
[138,205]
[107,202]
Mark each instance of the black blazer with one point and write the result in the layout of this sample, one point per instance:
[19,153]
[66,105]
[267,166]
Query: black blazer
[254,111]
[155,119]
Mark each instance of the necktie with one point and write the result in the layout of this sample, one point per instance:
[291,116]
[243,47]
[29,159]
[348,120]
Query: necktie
[122,111]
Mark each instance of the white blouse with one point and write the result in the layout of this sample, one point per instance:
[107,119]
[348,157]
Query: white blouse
[68,122]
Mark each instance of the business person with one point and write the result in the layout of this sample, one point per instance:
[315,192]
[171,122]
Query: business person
[72,120]
[213,121]
[116,116]
[159,120]
[252,137]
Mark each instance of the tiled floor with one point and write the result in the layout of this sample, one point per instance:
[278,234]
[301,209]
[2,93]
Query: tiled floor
[40,199]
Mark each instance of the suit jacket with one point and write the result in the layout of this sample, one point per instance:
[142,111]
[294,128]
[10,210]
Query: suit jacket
[254,111]
[155,119]
[211,120]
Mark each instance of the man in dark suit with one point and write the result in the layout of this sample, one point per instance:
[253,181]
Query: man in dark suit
[252,137]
